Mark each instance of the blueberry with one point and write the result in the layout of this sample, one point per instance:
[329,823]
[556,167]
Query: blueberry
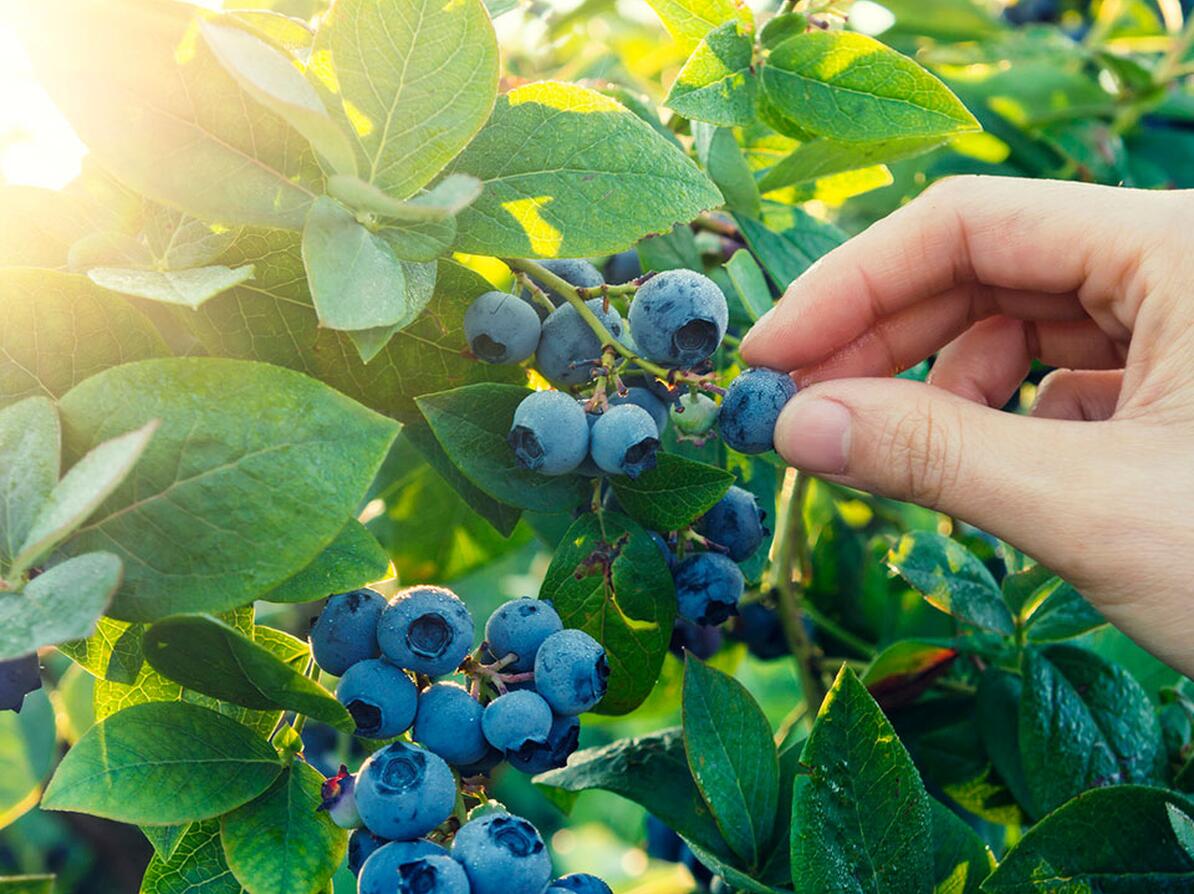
[339,799]
[623,267]
[568,348]
[579,883]
[18,677]
[380,697]
[703,641]
[625,441]
[516,718]
[588,468]
[539,757]
[427,630]
[576,271]
[760,628]
[404,791]
[519,627]
[320,744]
[379,872]
[679,318]
[346,630]
[550,433]
[750,408]
[449,724]
[571,672]
[1026,12]
[662,842]
[433,874]
[361,846]
[500,328]
[485,765]
[708,587]
[694,415]
[643,397]
[503,854]
[735,522]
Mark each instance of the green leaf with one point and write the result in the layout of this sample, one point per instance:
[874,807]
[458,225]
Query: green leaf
[420,287]
[1057,611]
[901,672]
[165,839]
[652,771]
[675,493]
[353,559]
[446,199]
[27,884]
[952,579]
[732,757]
[673,250]
[27,745]
[273,78]
[862,812]
[740,880]
[688,21]
[750,283]
[823,157]
[282,843]
[30,446]
[788,254]
[848,86]
[414,83]
[56,329]
[960,858]
[186,288]
[1110,839]
[61,604]
[998,713]
[177,241]
[717,83]
[208,656]
[471,424]
[253,473]
[158,110]
[113,652]
[609,579]
[1183,828]
[1084,722]
[723,161]
[197,866]
[569,173]
[81,491]
[125,766]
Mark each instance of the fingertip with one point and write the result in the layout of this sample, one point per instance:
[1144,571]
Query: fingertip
[813,434]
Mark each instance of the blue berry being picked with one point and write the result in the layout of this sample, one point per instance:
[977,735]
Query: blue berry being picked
[579,883]
[550,433]
[404,791]
[339,799]
[576,271]
[679,318]
[433,874]
[449,724]
[501,328]
[18,677]
[735,522]
[361,846]
[379,873]
[516,718]
[539,757]
[708,587]
[643,397]
[625,440]
[519,628]
[568,349]
[751,407]
[346,630]
[427,630]
[503,854]
[380,697]
[571,672]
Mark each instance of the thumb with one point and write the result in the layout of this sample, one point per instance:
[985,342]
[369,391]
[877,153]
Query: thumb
[915,442]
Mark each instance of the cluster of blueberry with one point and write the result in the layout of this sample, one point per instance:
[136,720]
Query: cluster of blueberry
[528,682]
[676,321]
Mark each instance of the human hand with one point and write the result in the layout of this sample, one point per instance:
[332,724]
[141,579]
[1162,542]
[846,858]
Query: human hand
[1098,483]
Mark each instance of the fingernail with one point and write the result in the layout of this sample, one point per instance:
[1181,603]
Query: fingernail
[814,435]
[759,324]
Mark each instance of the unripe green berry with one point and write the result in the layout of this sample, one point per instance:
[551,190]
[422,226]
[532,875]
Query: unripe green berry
[694,414]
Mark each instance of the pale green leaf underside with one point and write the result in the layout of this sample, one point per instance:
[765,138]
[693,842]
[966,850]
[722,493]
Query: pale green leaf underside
[444,200]
[30,450]
[821,158]
[185,288]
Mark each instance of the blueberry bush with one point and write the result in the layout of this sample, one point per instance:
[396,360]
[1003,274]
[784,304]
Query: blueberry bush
[360,325]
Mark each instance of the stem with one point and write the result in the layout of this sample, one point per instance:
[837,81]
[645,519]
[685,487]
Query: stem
[838,632]
[1170,68]
[536,293]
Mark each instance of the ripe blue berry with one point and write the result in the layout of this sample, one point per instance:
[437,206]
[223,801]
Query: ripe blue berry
[624,441]
[642,397]
[362,844]
[708,587]
[579,883]
[404,791]
[516,718]
[568,348]
[339,799]
[735,522]
[434,874]
[750,408]
[427,630]
[662,842]
[679,318]
[346,630]
[380,697]
[500,328]
[576,271]
[701,640]
[485,765]
[380,870]
[571,672]
[539,757]
[519,627]
[759,627]
[694,414]
[623,267]
[502,854]
[18,677]
[449,724]
[550,433]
